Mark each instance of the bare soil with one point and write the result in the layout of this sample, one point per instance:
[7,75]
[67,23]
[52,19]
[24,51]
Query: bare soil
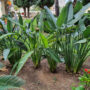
[43,79]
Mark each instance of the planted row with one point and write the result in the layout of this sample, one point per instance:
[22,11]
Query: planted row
[63,39]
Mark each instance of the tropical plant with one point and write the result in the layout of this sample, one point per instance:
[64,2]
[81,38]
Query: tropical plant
[67,33]
[74,53]
[8,82]
[77,6]
[65,39]
[9,44]
[51,52]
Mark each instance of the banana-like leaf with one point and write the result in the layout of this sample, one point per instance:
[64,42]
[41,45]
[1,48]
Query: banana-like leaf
[82,41]
[87,32]
[70,12]
[9,26]
[79,15]
[6,53]
[5,35]
[63,16]
[51,16]
[82,26]
[51,53]
[20,20]
[77,7]
[44,40]
[23,61]
[41,21]
[13,21]
[1,65]
[8,82]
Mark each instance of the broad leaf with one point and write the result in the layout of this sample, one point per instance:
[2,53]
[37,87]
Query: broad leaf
[23,61]
[87,32]
[51,53]
[63,16]
[6,53]
[51,15]
[70,12]
[80,14]
[5,35]
[44,40]
[1,65]
[10,82]
[81,41]
[20,20]
[77,7]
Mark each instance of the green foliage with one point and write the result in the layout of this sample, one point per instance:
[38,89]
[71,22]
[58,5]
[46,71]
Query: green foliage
[24,3]
[23,61]
[67,38]
[48,3]
[75,53]
[78,88]
[87,32]
[85,2]
[84,82]
[78,6]
[8,39]
[61,19]
[10,82]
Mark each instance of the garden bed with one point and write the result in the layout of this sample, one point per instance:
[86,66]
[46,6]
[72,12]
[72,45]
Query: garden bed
[43,79]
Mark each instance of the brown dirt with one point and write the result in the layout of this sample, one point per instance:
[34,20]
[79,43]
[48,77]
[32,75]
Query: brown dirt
[43,79]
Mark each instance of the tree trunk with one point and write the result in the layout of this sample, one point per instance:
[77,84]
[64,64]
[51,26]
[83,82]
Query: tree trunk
[6,7]
[57,7]
[24,11]
[28,12]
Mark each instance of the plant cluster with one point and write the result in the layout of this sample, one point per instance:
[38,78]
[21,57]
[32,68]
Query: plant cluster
[60,39]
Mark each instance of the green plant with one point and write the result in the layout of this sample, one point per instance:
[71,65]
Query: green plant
[14,52]
[74,53]
[8,82]
[65,38]
[84,81]
[68,34]
[50,51]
